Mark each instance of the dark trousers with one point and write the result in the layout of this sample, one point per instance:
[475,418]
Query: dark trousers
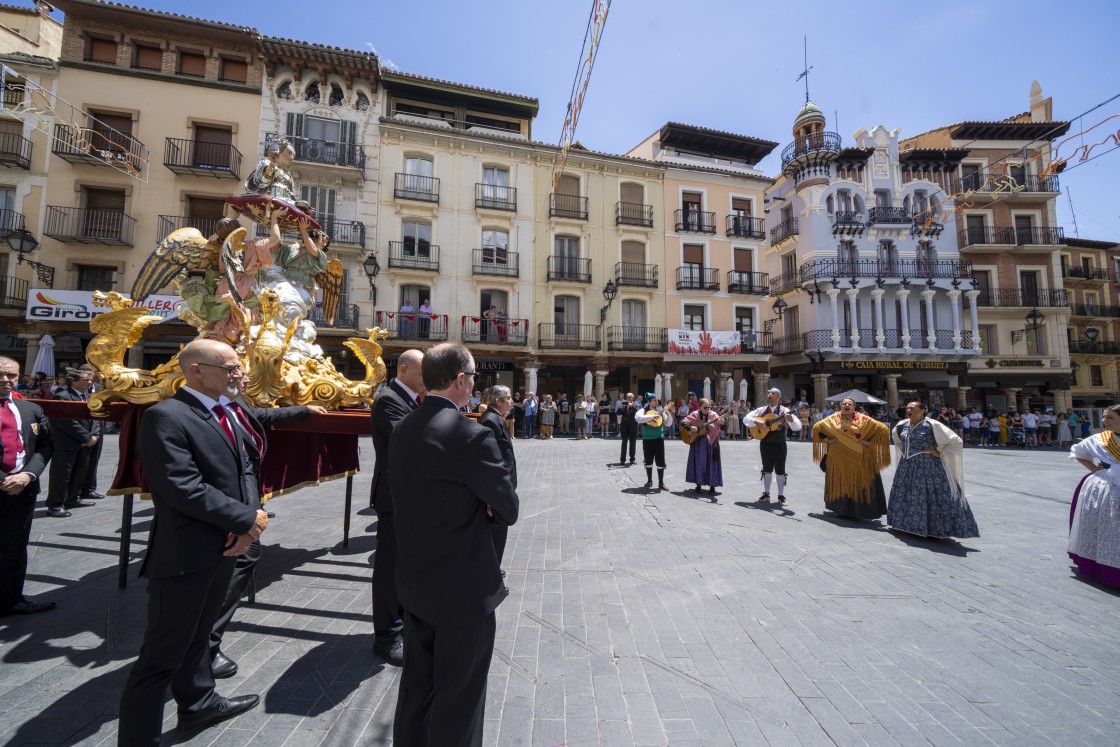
[68,472]
[16,512]
[89,482]
[773,457]
[629,436]
[530,426]
[243,571]
[442,693]
[176,651]
[499,535]
[653,450]
[387,623]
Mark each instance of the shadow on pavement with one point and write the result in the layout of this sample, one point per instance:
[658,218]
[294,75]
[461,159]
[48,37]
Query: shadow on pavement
[773,507]
[849,522]
[945,546]
[325,677]
[77,714]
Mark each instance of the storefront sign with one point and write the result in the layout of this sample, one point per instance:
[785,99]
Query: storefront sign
[48,305]
[493,365]
[692,342]
[936,365]
[1016,363]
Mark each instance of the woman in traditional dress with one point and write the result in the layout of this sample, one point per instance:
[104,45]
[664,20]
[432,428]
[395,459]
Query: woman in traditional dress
[548,416]
[927,497]
[1094,518]
[704,466]
[733,425]
[1065,435]
[853,449]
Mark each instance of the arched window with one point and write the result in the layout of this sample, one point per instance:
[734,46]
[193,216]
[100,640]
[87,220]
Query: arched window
[362,102]
[337,98]
[830,204]
[312,93]
[285,91]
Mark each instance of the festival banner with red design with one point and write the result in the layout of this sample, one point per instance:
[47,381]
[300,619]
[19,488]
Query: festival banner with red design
[693,342]
[48,304]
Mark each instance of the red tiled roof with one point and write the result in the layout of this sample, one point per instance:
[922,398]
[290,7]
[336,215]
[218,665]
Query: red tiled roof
[89,5]
[389,75]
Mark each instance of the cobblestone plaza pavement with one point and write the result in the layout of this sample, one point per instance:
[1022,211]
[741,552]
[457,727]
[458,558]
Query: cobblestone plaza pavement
[634,618]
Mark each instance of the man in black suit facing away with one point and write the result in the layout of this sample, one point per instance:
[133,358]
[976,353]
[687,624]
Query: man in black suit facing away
[401,397]
[499,403]
[74,442]
[449,483]
[25,449]
[628,428]
[201,469]
[88,489]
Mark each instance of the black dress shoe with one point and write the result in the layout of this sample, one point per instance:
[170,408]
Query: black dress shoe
[58,512]
[92,495]
[226,708]
[24,607]
[392,653]
[221,666]
[79,503]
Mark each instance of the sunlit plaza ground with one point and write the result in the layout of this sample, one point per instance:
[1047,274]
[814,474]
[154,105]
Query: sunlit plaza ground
[634,617]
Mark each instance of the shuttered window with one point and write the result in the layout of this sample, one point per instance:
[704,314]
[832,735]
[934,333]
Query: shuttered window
[743,260]
[235,71]
[633,251]
[105,199]
[568,185]
[148,58]
[694,254]
[206,208]
[212,146]
[634,194]
[741,207]
[192,64]
[102,50]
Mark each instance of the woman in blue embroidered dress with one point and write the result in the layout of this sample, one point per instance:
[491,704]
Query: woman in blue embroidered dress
[927,497]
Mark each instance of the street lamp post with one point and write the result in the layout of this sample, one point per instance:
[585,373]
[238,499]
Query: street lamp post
[610,290]
[23,243]
[372,267]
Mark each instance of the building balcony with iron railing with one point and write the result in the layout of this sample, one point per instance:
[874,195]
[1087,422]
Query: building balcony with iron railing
[349,232]
[1095,311]
[413,255]
[783,231]
[637,339]
[745,227]
[695,278]
[478,329]
[168,224]
[416,187]
[328,152]
[985,184]
[495,260]
[79,225]
[889,215]
[635,274]
[569,269]
[1006,235]
[886,269]
[567,206]
[810,148]
[190,157]
[11,222]
[15,151]
[564,336]
[788,344]
[1014,298]
[495,197]
[13,293]
[748,283]
[786,282]
[345,317]
[694,221]
[867,339]
[1085,273]
[413,326]
[99,147]
[1098,347]
[633,214]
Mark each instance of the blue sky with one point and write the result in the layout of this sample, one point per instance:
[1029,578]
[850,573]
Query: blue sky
[732,65]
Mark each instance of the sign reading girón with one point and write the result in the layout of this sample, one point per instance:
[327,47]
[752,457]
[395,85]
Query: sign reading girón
[938,365]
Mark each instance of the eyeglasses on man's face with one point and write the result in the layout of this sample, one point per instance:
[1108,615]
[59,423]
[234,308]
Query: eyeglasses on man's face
[231,370]
[472,374]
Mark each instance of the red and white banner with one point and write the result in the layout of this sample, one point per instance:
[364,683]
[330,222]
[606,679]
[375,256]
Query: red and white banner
[691,342]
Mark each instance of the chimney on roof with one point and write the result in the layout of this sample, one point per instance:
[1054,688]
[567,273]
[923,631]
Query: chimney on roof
[44,8]
[1042,109]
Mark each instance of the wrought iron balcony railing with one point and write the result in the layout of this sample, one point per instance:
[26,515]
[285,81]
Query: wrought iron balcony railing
[888,215]
[345,317]
[637,339]
[564,336]
[495,197]
[416,187]
[1096,311]
[10,222]
[1081,273]
[495,331]
[83,226]
[984,181]
[788,344]
[818,269]
[13,293]
[695,221]
[409,326]
[351,232]
[785,282]
[691,277]
[919,339]
[1011,236]
[99,147]
[745,227]
[635,274]
[15,151]
[1007,298]
[495,260]
[328,153]
[750,283]
[633,214]
[783,231]
[202,159]
[1100,347]
[569,269]
[567,206]
[170,223]
[413,255]
[817,143]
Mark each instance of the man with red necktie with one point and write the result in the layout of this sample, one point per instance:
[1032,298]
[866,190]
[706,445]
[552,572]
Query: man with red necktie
[25,449]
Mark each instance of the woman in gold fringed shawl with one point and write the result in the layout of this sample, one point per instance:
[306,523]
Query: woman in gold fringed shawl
[852,449]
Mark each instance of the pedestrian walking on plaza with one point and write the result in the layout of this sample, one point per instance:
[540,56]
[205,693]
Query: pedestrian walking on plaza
[772,421]
[852,449]
[401,397]
[1094,533]
[25,449]
[927,497]
[704,465]
[628,428]
[448,575]
[651,420]
[499,403]
[201,470]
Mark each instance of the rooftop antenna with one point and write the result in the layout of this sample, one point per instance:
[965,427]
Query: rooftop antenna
[1076,229]
[805,72]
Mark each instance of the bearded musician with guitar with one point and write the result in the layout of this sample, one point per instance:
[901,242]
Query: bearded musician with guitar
[769,425]
[700,429]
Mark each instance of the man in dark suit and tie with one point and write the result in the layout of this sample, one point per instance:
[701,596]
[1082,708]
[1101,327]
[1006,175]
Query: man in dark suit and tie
[628,427]
[74,442]
[401,397]
[25,449]
[202,472]
[449,484]
[499,403]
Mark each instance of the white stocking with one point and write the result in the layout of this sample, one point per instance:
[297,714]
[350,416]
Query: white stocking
[766,477]
[781,484]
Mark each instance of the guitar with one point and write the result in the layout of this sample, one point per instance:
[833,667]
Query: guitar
[766,425]
[690,438]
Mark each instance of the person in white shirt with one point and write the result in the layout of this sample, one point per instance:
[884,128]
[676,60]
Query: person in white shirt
[772,446]
[1030,422]
[1046,423]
